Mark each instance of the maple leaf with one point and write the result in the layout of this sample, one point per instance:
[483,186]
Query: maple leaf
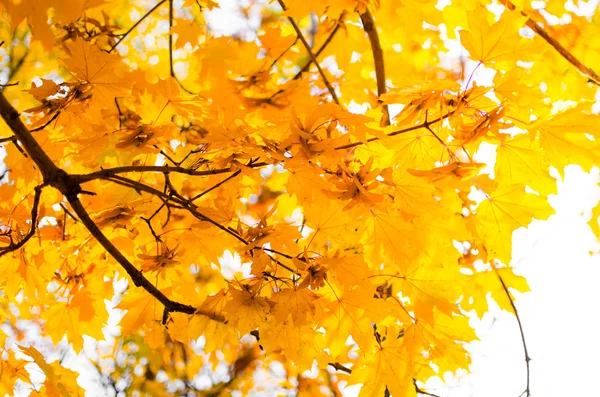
[59,381]
[104,72]
[505,210]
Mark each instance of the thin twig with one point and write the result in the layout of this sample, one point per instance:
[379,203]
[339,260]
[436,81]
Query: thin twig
[424,124]
[14,68]
[14,138]
[230,177]
[135,25]
[103,174]
[306,66]
[171,67]
[311,54]
[34,223]
[340,367]
[369,27]
[537,28]
[527,358]
[421,391]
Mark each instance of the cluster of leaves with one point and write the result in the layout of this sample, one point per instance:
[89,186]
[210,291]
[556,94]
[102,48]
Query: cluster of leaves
[334,150]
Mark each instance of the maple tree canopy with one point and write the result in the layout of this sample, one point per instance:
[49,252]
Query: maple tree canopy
[332,188]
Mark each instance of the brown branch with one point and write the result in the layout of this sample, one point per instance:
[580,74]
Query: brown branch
[424,124]
[46,124]
[135,25]
[171,69]
[186,204]
[70,188]
[527,358]
[138,278]
[12,246]
[108,172]
[369,26]
[14,68]
[215,186]
[340,367]
[421,391]
[537,28]
[49,170]
[311,54]
[319,51]
[191,208]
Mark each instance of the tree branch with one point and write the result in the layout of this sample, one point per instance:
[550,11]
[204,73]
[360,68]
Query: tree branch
[136,275]
[369,27]
[135,25]
[215,186]
[310,61]
[340,367]
[420,391]
[70,188]
[424,124]
[311,54]
[34,221]
[537,28]
[46,124]
[527,358]
[108,172]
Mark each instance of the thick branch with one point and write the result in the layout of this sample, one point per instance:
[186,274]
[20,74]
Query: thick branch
[136,275]
[70,187]
[369,27]
[537,28]
[311,54]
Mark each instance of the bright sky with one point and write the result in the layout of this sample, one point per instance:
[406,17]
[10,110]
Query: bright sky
[560,259]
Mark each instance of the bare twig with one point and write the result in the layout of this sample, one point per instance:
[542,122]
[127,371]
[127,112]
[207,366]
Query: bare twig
[171,68]
[105,173]
[46,124]
[424,124]
[12,246]
[537,28]
[311,54]
[135,25]
[14,67]
[527,392]
[421,391]
[369,27]
[230,177]
[306,66]
[340,367]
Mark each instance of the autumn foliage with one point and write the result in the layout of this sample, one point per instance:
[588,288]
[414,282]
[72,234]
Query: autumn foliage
[330,186]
